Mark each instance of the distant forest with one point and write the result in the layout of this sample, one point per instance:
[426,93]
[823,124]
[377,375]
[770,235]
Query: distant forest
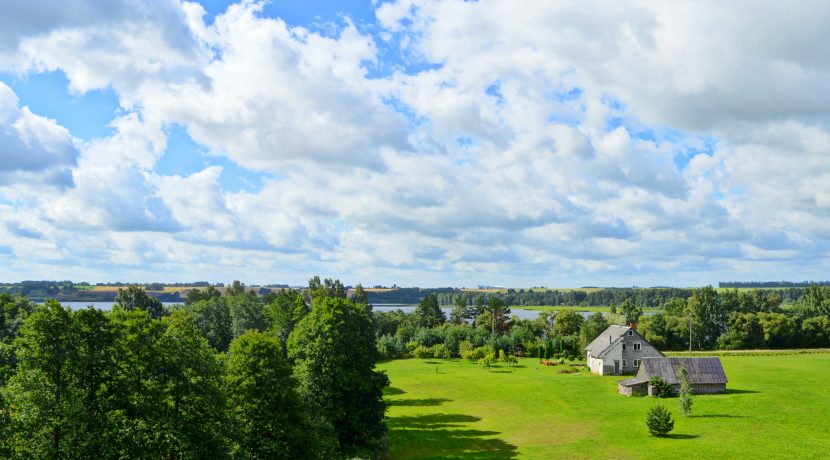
[641,297]
[770,284]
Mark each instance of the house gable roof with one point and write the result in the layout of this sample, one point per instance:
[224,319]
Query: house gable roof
[605,339]
[706,370]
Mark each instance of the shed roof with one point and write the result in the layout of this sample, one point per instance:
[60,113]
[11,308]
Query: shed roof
[605,339]
[706,370]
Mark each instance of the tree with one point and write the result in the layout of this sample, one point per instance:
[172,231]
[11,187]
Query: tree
[816,331]
[429,313]
[246,313]
[136,298]
[500,315]
[360,296]
[326,288]
[659,420]
[686,390]
[268,416]
[42,389]
[591,329]
[460,312]
[334,353]
[196,295]
[213,317]
[286,309]
[567,322]
[236,288]
[631,311]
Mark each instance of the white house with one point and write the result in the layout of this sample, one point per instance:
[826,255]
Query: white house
[619,350]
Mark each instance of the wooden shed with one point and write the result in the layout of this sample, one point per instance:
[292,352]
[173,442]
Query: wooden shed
[705,374]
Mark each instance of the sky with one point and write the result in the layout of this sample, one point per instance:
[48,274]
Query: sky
[420,143]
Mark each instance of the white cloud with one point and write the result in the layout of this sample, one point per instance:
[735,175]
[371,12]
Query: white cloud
[673,143]
[33,149]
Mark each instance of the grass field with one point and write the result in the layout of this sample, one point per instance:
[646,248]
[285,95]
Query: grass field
[776,407]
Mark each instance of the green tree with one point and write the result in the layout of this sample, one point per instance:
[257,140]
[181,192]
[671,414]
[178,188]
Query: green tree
[460,311]
[429,313]
[567,322]
[334,352]
[42,390]
[197,295]
[360,296]
[136,298]
[591,329]
[267,414]
[816,331]
[499,315]
[686,390]
[630,311]
[236,288]
[246,312]
[286,309]
[659,420]
[213,317]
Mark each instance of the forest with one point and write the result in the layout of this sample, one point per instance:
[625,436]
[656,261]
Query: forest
[290,375]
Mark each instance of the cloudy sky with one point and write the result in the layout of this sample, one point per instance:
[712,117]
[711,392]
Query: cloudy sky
[426,143]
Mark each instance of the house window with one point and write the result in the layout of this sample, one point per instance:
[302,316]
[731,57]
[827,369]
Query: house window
[630,332]
[636,363]
[624,364]
[636,346]
[623,346]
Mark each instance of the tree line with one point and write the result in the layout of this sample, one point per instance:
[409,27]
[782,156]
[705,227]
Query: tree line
[706,320]
[289,375]
[641,297]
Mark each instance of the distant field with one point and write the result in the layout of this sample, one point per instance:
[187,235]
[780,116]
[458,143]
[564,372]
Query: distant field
[776,407]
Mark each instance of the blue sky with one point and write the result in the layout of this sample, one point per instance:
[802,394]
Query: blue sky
[414,142]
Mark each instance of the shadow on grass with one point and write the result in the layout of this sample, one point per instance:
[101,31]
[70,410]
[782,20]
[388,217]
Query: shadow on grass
[445,436]
[717,416]
[735,391]
[431,362]
[501,371]
[680,436]
[392,391]
[417,402]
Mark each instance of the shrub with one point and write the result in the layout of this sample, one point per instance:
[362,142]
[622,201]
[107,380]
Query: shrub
[390,346]
[659,420]
[422,352]
[487,360]
[465,349]
[661,388]
[481,352]
[440,351]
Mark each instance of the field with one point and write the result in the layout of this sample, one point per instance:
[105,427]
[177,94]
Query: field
[776,407]
[592,308]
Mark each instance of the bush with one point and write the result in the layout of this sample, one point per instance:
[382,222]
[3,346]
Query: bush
[659,420]
[440,351]
[465,349]
[661,388]
[487,360]
[481,352]
[422,352]
[390,347]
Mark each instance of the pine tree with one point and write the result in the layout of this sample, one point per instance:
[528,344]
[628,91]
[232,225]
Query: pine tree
[659,420]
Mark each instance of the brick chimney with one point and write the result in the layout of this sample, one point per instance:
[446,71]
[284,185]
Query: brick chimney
[633,325]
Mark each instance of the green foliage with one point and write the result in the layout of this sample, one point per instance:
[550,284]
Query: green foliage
[661,388]
[659,420]
[266,412]
[567,323]
[198,295]
[630,311]
[499,315]
[136,298]
[390,346]
[686,391]
[334,352]
[429,313]
[246,313]
[283,312]
[213,317]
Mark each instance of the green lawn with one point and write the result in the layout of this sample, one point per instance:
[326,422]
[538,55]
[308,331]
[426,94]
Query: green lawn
[776,407]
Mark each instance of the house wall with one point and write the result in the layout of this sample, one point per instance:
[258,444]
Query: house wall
[633,390]
[645,351]
[595,365]
[708,388]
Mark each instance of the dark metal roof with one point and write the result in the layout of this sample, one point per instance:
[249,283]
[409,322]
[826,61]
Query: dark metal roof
[701,370]
[633,381]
